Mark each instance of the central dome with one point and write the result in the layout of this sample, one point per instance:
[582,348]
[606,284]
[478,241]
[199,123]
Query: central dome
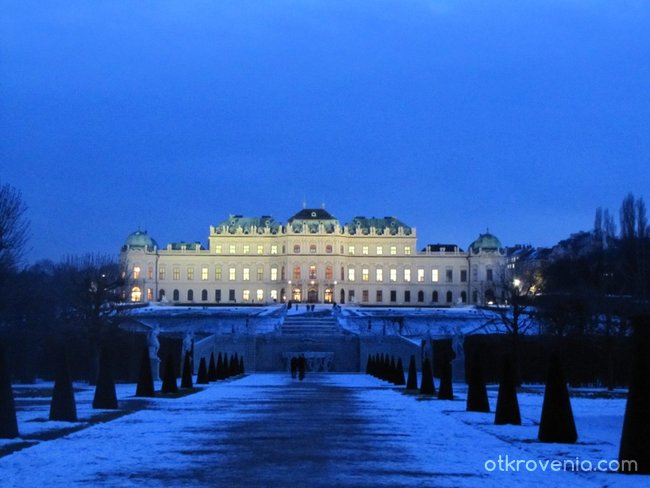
[486,243]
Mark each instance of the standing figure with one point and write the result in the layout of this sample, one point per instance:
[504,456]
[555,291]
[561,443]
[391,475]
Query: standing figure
[294,366]
[302,366]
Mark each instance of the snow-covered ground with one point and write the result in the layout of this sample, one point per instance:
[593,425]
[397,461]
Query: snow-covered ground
[329,430]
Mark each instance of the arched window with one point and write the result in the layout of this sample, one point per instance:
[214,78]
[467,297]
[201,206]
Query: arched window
[296,248]
[328,249]
[176,295]
[161,295]
[450,297]
[136,294]
[204,295]
[190,295]
[434,297]
[420,296]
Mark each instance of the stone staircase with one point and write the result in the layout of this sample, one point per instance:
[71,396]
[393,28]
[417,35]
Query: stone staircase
[317,324]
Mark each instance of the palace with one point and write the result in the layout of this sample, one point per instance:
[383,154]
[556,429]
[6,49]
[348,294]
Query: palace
[313,258]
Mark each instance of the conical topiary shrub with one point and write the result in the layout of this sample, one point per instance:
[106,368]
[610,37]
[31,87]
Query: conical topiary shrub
[446,391]
[8,422]
[221,370]
[477,398]
[105,396]
[399,373]
[427,387]
[212,368]
[63,406]
[392,370]
[412,380]
[635,438]
[557,424]
[145,386]
[235,365]
[202,373]
[186,379]
[169,384]
[507,411]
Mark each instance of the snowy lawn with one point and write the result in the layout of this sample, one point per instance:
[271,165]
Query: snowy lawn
[330,430]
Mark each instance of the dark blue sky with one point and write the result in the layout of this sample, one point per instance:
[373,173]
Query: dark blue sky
[451,115]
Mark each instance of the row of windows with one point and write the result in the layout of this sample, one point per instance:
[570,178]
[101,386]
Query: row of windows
[311,249]
[276,273]
[247,295]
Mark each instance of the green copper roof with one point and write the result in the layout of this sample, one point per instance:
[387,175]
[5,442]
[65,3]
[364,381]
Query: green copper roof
[363,225]
[247,224]
[486,242]
[139,240]
[313,218]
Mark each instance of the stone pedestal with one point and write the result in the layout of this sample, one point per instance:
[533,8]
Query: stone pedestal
[155,368]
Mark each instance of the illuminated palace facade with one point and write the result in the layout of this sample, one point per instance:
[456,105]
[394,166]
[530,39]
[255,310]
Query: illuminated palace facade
[312,258]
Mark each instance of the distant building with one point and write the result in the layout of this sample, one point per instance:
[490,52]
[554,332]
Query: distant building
[313,258]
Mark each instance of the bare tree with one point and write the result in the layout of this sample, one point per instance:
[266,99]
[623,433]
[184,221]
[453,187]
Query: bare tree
[14,228]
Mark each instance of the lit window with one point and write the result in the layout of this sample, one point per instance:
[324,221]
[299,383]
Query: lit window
[379,275]
[393,275]
[190,272]
[217,249]
[365,275]
[420,275]
[364,250]
[246,295]
[407,275]
[246,274]
[407,250]
[217,273]
[393,250]
[329,273]
[136,273]
[231,249]
[204,273]
[260,273]
[176,273]
[260,249]
[380,250]
[162,271]
[136,294]
[259,296]
[246,249]
[434,275]
[274,273]
[274,249]
[296,273]
[312,272]
[232,274]
[351,250]
[274,295]
[350,274]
